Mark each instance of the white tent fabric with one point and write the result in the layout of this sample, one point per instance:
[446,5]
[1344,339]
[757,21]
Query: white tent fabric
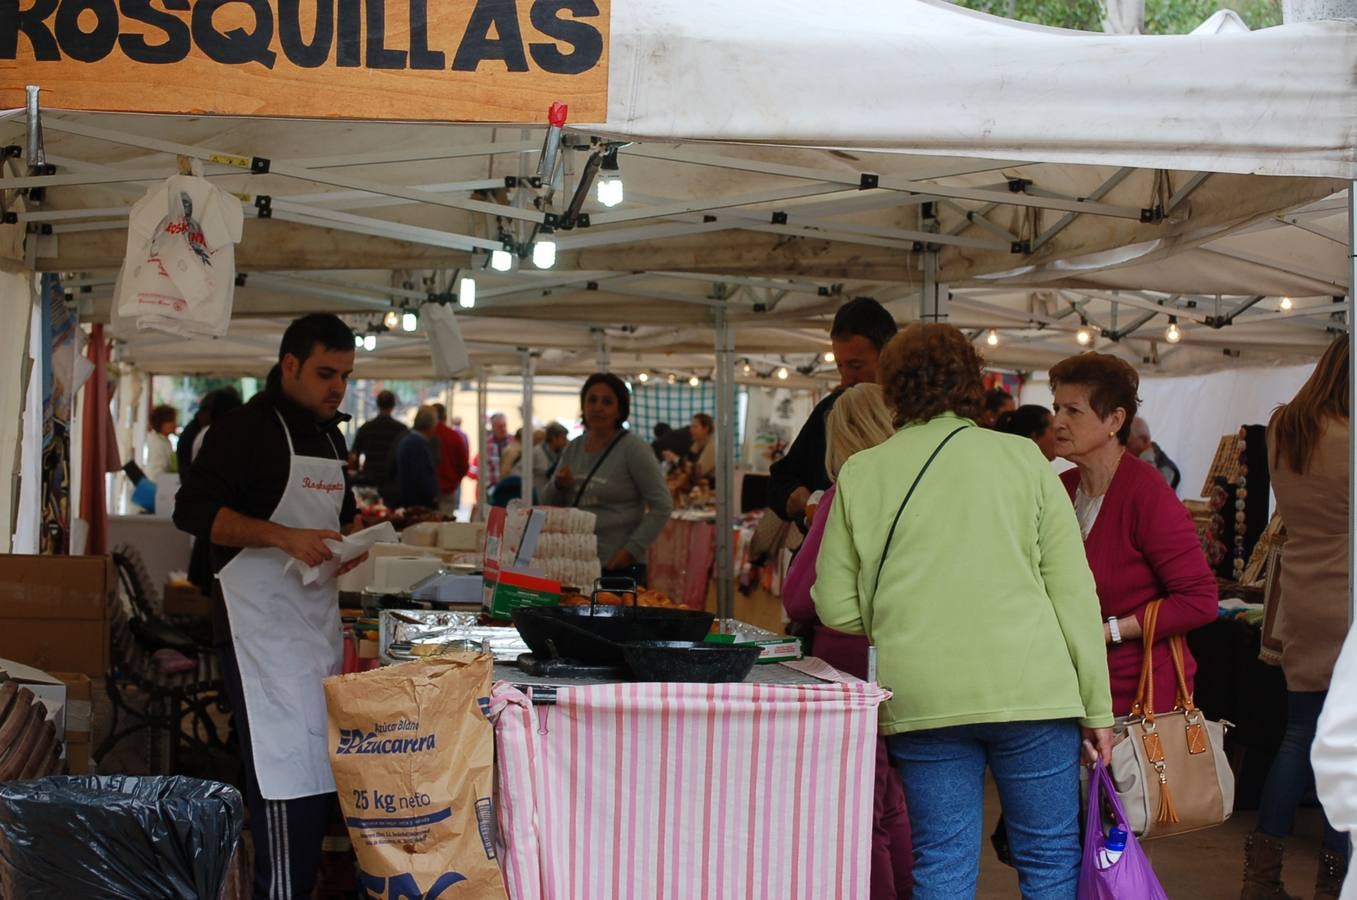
[928,77]
[781,235]
[1188,415]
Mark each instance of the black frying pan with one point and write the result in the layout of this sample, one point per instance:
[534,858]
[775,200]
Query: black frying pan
[594,633]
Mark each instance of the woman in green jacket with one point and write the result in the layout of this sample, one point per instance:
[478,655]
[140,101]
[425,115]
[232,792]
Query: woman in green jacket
[999,663]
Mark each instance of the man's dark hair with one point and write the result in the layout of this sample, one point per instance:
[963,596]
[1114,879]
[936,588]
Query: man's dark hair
[305,333]
[441,410]
[220,402]
[662,428]
[386,401]
[865,317]
[996,397]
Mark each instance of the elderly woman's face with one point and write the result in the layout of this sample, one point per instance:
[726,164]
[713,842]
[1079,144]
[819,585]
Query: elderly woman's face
[1079,430]
[600,407]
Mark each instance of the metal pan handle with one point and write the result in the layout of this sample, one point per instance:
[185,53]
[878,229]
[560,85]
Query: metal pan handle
[622,585]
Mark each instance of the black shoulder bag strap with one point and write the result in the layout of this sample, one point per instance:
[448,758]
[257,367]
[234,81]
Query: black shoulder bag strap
[890,535]
[590,477]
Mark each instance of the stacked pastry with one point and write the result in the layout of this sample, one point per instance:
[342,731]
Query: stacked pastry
[567,551]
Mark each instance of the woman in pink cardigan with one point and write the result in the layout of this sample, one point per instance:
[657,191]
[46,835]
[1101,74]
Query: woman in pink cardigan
[859,419]
[1138,536]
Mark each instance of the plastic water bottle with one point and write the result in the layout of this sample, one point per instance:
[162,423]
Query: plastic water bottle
[1112,849]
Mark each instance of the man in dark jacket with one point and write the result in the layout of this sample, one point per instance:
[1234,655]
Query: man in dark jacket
[414,469]
[862,327]
[269,492]
[375,441]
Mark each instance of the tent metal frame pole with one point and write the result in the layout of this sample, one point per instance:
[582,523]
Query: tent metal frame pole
[280,167]
[603,357]
[725,466]
[888,182]
[1352,383]
[1068,219]
[525,456]
[727,202]
[387,157]
[934,307]
[482,388]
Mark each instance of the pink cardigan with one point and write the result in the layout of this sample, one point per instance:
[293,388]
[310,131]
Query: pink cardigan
[1143,547]
[845,652]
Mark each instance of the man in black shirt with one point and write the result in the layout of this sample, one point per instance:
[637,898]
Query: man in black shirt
[376,441]
[269,488]
[861,328]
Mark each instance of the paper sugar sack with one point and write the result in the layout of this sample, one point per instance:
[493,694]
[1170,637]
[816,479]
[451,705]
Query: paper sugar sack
[413,759]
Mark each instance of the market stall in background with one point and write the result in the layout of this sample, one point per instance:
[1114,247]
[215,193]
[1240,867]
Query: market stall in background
[491,265]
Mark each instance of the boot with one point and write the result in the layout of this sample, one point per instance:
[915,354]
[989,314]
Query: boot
[1329,881]
[1263,869]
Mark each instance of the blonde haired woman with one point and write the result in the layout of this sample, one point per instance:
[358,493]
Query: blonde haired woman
[858,420]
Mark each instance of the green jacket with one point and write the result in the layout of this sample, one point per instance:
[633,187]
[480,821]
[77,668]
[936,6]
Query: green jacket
[986,610]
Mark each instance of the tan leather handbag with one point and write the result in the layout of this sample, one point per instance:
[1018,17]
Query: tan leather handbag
[1170,769]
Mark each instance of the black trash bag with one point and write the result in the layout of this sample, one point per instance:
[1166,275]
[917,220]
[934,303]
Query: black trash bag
[117,836]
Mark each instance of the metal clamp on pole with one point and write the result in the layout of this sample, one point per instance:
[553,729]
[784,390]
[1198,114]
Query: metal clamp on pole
[36,155]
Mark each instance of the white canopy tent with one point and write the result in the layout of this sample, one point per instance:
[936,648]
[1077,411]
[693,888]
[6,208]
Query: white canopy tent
[764,187]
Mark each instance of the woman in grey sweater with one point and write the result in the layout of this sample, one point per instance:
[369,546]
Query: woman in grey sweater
[614,475]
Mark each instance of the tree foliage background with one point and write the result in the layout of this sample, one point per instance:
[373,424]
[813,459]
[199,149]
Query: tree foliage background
[1161,16]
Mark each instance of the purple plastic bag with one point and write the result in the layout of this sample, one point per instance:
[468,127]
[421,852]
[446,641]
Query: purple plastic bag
[1129,878]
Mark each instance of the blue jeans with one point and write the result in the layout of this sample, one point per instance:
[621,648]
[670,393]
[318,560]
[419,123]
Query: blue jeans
[1291,774]
[1036,768]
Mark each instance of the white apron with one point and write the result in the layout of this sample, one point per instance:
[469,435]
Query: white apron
[287,637]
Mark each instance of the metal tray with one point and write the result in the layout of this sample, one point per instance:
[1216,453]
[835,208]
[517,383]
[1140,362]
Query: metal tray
[437,627]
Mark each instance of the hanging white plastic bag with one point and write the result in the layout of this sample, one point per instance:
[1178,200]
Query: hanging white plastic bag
[179,272]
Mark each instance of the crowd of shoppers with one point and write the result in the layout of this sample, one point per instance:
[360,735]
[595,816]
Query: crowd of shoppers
[1042,643]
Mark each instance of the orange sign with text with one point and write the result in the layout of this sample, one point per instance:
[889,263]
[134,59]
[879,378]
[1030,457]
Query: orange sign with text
[412,60]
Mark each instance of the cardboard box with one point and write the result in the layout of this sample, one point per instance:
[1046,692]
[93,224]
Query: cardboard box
[78,755]
[79,704]
[49,690]
[54,611]
[773,649]
[461,535]
[512,589]
[185,600]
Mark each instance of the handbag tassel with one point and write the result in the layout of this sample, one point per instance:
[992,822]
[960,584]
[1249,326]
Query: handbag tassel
[1167,813]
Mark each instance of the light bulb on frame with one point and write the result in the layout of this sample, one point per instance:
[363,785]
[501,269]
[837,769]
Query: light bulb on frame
[409,321]
[747,369]
[1084,337]
[1173,335]
[369,342]
[610,190]
[643,377]
[992,338]
[391,319]
[782,373]
[694,381]
[544,250]
[466,291]
[671,379]
[358,342]
[829,357]
[501,260]
[1286,304]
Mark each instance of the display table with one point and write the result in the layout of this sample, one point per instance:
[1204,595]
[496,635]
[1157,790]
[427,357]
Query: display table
[1233,684]
[679,563]
[691,790]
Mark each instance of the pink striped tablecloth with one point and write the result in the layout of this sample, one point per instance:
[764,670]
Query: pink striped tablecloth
[683,791]
[679,563]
